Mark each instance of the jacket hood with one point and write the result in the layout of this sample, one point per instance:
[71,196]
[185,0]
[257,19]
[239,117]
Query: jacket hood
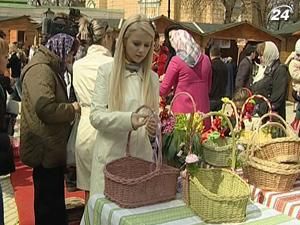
[43,56]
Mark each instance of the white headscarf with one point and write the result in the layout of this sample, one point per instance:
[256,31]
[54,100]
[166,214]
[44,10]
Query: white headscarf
[270,55]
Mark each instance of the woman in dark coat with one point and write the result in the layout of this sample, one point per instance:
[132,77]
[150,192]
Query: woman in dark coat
[271,79]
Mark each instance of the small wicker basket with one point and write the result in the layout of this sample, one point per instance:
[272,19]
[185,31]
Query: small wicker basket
[246,134]
[217,195]
[133,182]
[215,155]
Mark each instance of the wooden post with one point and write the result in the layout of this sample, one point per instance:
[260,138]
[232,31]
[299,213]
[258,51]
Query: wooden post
[169,9]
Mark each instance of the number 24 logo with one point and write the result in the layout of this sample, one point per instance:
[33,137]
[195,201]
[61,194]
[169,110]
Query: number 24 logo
[281,13]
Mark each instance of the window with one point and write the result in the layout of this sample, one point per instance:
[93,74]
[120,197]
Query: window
[149,7]
[21,36]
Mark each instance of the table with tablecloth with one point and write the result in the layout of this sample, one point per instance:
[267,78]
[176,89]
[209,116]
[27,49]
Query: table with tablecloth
[101,211]
[287,203]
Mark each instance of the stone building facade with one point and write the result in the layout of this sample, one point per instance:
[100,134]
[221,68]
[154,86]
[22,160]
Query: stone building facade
[209,11]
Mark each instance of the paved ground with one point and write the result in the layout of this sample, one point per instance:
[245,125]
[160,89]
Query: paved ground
[10,208]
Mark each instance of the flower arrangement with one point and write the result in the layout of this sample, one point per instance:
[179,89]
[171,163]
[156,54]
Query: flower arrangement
[249,109]
[179,135]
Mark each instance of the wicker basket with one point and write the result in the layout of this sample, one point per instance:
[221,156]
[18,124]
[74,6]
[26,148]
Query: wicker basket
[132,182]
[269,175]
[282,149]
[217,195]
[218,155]
[246,134]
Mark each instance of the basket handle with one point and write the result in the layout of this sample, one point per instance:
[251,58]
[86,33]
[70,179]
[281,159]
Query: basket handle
[233,106]
[248,100]
[187,94]
[210,114]
[288,129]
[158,155]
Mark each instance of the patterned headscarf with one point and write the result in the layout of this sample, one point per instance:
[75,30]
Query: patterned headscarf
[270,55]
[185,46]
[61,44]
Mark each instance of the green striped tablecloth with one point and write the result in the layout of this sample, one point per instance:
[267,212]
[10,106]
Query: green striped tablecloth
[101,211]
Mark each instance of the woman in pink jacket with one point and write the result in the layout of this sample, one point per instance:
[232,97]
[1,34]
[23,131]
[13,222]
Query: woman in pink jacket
[188,71]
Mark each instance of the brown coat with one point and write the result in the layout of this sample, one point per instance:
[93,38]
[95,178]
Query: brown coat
[46,115]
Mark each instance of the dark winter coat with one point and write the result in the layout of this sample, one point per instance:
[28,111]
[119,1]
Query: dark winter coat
[46,115]
[244,73]
[274,87]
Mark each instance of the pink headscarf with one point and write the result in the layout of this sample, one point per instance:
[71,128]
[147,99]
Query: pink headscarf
[185,46]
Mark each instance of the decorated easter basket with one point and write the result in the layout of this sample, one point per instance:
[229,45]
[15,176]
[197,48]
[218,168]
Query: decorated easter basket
[218,152]
[133,182]
[175,128]
[217,195]
[245,135]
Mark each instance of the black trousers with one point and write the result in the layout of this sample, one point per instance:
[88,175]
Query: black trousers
[49,196]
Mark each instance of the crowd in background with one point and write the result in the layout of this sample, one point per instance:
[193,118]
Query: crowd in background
[80,93]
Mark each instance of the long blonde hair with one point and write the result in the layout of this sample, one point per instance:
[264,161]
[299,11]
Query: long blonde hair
[116,93]
[3,47]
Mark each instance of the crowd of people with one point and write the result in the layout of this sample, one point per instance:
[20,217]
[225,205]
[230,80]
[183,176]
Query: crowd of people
[80,94]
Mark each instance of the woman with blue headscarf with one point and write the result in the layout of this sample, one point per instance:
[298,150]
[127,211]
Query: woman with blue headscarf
[46,118]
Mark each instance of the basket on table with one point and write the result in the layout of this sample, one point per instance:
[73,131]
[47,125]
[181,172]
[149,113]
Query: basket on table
[280,149]
[175,127]
[217,152]
[133,182]
[246,133]
[266,174]
[217,195]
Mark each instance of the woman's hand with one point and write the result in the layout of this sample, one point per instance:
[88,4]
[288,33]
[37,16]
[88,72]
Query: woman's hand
[151,126]
[76,107]
[138,120]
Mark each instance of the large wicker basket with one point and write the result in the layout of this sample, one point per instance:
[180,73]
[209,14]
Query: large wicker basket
[133,182]
[282,149]
[217,195]
[268,175]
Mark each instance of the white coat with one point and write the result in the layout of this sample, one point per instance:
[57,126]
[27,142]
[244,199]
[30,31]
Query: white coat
[294,69]
[113,127]
[84,78]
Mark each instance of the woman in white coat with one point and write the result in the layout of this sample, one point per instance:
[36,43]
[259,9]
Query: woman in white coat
[84,77]
[121,87]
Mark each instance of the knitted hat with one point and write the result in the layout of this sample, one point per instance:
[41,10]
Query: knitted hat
[297,47]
